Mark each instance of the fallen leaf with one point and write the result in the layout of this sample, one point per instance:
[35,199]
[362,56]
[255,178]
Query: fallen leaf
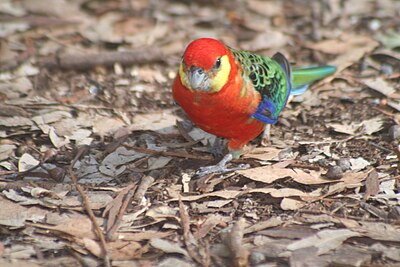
[380,85]
[372,125]
[105,126]
[349,129]
[263,153]
[199,134]
[350,48]
[167,246]
[267,40]
[291,204]
[324,241]
[272,222]
[6,151]
[378,231]
[15,121]
[26,162]
[269,174]
[210,223]
[371,185]
[266,8]
[358,164]
[162,122]
[113,164]
[390,39]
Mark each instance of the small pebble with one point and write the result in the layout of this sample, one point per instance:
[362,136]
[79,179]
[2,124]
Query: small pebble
[387,69]
[394,132]
[344,164]
[256,258]
[334,173]
[323,162]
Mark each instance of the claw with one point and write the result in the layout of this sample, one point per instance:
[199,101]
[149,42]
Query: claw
[266,135]
[220,167]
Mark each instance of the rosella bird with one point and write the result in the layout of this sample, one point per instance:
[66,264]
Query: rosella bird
[234,94]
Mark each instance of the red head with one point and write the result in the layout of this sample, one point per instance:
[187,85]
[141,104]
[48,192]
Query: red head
[206,65]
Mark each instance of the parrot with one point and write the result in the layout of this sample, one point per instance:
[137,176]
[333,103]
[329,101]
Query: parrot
[234,94]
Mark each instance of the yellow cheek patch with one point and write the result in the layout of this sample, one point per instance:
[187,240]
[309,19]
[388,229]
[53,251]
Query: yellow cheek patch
[222,75]
[184,78]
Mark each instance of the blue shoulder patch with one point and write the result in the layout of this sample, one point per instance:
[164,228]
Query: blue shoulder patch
[265,112]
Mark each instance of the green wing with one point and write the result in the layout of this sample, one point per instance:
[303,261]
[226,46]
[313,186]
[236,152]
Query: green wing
[269,77]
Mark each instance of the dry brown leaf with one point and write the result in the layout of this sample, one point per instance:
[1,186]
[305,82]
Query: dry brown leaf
[380,85]
[371,185]
[162,122]
[263,153]
[291,204]
[324,241]
[358,46]
[118,250]
[12,214]
[78,228]
[282,192]
[269,174]
[26,162]
[272,222]
[113,208]
[372,125]
[15,121]
[266,40]
[234,241]
[114,163]
[344,44]
[349,180]
[167,246]
[379,231]
[105,126]
[209,224]
[141,236]
[266,8]
[349,129]
[57,8]
[226,194]
[6,151]
[358,164]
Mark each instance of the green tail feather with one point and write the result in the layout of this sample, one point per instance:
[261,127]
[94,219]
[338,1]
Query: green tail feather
[303,76]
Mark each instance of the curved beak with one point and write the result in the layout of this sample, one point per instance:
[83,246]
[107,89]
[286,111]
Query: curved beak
[198,79]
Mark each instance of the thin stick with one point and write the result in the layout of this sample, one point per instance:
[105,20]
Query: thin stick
[167,153]
[86,203]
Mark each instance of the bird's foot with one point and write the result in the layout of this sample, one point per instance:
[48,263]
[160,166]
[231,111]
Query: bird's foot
[266,135]
[220,167]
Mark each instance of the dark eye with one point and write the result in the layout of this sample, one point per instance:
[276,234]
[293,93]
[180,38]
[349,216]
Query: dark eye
[217,63]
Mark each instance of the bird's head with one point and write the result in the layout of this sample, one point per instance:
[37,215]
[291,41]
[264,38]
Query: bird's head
[205,66]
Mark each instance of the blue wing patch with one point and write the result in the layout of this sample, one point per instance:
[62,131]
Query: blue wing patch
[265,112]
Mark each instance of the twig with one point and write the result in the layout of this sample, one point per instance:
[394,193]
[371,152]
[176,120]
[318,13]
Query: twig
[142,189]
[304,166]
[387,113]
[82,61]
[240,255]
[117,221]
[86,203]
[167,153]
[181,145]
[189,240]
[384,149]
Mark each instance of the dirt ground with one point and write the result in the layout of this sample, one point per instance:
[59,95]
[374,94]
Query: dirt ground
[98,164]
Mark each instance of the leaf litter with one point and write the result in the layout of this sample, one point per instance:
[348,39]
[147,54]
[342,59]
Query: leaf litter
[97,163]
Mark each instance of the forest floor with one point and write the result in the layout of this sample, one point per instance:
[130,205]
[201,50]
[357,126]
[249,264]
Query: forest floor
[98,164]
